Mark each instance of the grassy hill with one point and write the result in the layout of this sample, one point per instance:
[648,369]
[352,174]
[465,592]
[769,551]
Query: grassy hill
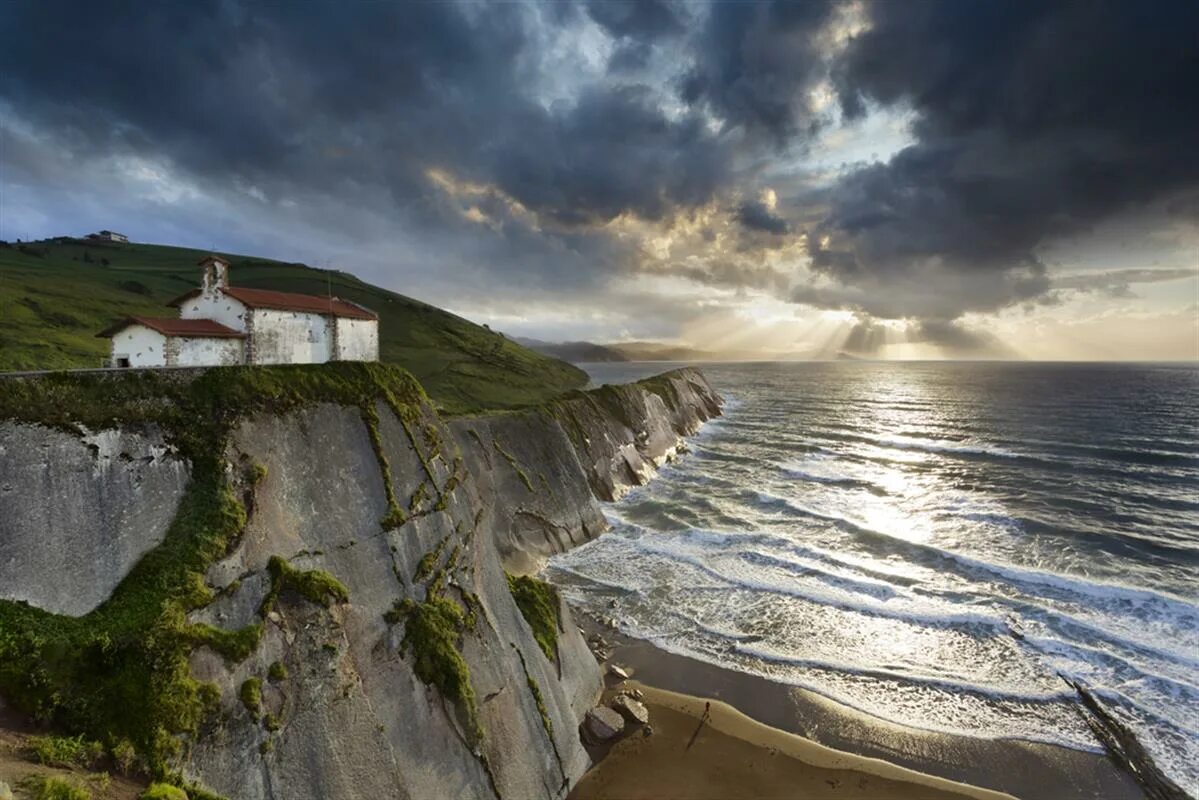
[55,295]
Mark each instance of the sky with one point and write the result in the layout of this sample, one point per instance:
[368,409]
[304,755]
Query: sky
[924,179]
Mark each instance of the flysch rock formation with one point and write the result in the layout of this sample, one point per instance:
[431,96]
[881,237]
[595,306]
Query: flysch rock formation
[338,707]
[78,511]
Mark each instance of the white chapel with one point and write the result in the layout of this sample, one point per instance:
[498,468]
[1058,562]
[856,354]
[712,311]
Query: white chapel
[219,324]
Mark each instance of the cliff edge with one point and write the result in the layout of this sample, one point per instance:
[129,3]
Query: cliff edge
[302,582]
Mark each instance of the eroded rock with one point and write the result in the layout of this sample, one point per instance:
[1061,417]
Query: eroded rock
[632,710]
[602,724]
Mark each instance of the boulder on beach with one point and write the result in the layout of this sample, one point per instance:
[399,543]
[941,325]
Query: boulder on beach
[631,709]
[602,723]
[618,672]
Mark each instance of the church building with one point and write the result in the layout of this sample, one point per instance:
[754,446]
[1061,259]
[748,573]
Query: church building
[219,324]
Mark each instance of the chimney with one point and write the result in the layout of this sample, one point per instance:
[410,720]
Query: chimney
[216,274]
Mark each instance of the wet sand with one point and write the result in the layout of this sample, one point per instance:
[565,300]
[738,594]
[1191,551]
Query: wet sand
[1022,769]
[726,755]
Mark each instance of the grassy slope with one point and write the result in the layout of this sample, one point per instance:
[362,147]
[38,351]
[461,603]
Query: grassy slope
[53,301]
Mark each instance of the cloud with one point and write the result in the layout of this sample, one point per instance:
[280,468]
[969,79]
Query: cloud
[459,150]
[643,20]
[1118,282]
[758,216]
[1032,122]
[755,64]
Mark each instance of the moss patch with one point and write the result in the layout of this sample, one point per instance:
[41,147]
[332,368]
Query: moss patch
[315,585]
[233,645]
[538,604]
[277,672]
[432,630]
[511,459]
[546,722]
[120,673]
[428,562]
[251,696]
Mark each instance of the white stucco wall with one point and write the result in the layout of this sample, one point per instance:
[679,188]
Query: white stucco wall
[216,306]
[290,337]
[141,345]
[357,339]
[207,351]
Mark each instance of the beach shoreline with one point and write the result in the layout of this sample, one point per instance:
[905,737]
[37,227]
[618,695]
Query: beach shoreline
[675,683]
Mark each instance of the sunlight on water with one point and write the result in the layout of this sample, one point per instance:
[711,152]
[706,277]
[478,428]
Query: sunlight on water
[935,544]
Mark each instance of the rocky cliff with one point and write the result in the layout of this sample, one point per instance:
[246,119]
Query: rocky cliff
[290,582]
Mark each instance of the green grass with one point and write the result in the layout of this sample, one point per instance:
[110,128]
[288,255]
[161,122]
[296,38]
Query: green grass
[56,295]
[163,791]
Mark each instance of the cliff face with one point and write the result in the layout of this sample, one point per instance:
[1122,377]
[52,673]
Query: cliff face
[356,635]
[544,470]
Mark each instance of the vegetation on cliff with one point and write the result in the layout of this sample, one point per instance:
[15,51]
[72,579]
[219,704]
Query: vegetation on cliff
[61,292]
[119,674]
[538,604]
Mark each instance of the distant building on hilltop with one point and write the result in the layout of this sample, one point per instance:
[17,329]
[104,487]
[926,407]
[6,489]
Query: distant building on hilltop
[109,236]
[220,324]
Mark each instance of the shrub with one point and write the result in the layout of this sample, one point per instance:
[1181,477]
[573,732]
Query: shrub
[59,789]
[277,671]
[163,791]
[66,751]
[124,756]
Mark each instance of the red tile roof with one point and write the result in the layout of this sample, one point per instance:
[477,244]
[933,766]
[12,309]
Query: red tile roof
[289,301]
[175,327]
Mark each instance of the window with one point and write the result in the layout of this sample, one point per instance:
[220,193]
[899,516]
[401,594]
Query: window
[122,362]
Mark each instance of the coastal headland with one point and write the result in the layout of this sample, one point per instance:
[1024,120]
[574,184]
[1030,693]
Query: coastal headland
[306,582]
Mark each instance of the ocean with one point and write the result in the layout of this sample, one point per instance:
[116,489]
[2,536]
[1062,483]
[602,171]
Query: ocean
[935,544]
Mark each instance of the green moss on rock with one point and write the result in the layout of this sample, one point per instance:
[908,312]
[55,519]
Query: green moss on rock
[546,722]
[538,604]
[432,631]
[251,696]
[235,646]
[277,672]
[428,561]
[315,585]
[511,459]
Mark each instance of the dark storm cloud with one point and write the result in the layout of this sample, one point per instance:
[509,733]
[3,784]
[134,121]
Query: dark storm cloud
[756,216]
[335,102]
[637,19]
[755,63]
[1032,121]
[613,152]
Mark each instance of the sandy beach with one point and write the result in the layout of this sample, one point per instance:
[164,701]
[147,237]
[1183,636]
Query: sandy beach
[771,740]
[726,755]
